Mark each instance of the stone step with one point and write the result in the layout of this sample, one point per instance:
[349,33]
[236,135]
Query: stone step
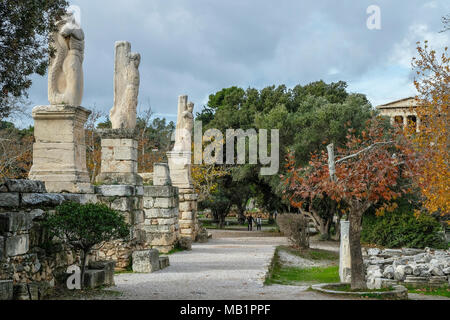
[94,278]
[108,267]
[146,261]
[163,262]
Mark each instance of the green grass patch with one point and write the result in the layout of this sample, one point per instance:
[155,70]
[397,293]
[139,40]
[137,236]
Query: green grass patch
[312,254]
[279,274]
[443,292]
[173,251]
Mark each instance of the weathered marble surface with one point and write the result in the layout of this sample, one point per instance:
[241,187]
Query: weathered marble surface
[345,266]
[65,75]
[185,124]
[126,87]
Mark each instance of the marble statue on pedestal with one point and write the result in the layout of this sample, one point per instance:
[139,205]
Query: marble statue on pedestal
[126,87]
[185,124]
[65,75]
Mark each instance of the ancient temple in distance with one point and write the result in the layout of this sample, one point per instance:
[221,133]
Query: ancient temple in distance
[401,111]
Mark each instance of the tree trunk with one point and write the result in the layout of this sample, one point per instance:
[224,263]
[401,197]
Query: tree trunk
[271,218]
[337,228]
[358,274]
[324,228]
[221,221]
[241,217]
[83,266]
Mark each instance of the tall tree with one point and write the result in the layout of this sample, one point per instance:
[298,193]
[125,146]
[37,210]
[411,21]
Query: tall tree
[306,116]
[366,173]
[24,31]
[433,85]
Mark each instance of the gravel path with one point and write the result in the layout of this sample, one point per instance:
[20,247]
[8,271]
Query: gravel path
[227,268]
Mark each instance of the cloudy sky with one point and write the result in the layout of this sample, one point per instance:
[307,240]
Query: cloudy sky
[198,47]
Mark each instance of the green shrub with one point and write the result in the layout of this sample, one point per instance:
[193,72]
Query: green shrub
[84,226]
[403,229]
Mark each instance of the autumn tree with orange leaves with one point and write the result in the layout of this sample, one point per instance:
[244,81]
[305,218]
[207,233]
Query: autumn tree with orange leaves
[433,84]
[364,173]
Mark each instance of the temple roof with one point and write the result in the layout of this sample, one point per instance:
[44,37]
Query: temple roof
[402,103]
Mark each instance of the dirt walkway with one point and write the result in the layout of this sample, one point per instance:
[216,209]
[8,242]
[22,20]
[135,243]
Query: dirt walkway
[225,268]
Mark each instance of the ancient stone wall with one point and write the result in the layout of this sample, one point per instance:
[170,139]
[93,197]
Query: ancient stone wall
[128,200]
[29,263]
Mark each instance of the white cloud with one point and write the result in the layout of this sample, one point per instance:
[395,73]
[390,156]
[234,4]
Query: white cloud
[404,51]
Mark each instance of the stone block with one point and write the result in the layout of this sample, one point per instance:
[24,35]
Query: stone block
[163,262]
[42,199]
[9,200]
[122,204]
[81,198]
[160,191]
[161,239]
[115,190]
[161,174]
[185,243]
[140,191]
[164,203]
[188,206]
[160,213]
[191,196]
[6,290]
[157,228]
[25,186]
[67,187]
[108,267]
[202,236]
[94,278]
[138,216]
[149,202]
[125,153]
[146,261]
[17,245]
[15,221]
[171,221]
[187,216]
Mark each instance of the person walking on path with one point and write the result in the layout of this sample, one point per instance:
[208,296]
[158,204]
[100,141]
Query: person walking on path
[250,222]
[258,223]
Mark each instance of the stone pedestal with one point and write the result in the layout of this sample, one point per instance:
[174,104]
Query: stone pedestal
[59,153]
[189,227]
[161,227]
[180,169]
[345,266]
[119,158]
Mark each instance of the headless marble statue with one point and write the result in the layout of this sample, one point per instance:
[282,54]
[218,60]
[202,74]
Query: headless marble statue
[185,124]
[65,80]
[126,87]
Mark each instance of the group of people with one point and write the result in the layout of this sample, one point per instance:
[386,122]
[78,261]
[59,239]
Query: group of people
[257,221]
